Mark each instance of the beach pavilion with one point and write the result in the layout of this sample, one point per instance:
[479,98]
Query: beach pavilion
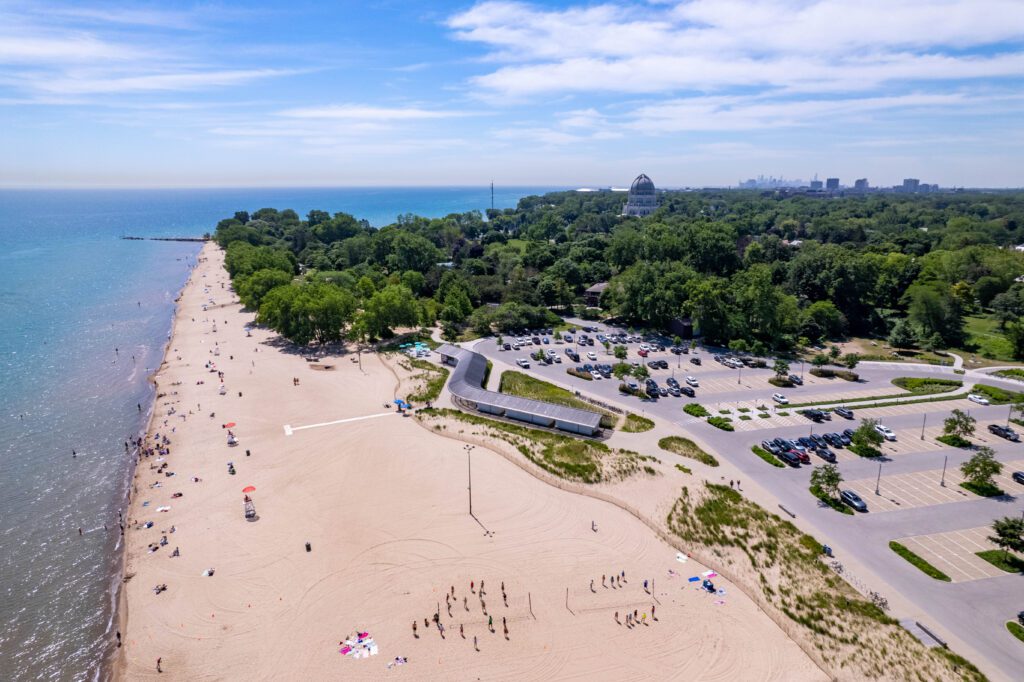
[466,384]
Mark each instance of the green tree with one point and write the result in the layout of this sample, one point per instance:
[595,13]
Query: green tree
[981,467]
[781,368]
[253,288]
[621,370]
[902,335]
[827,479]
[393,306]
[677,341]
[607,346]
[1009,534]
[620,352]
[851,360]
[1014,332]
[834,352]
[866,436]
[738,346]
[640,372]
[819,360]
[959,423]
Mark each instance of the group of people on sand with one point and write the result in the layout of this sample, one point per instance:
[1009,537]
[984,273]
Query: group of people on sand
[449,599]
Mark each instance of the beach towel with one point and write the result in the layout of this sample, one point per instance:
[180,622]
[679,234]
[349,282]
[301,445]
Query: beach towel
[694,579]
[163,509]
[681,558]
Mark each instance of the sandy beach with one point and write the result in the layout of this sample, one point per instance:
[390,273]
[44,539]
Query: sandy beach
[382,502]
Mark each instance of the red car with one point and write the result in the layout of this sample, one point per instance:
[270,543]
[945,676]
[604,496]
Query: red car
[802,456]
[642,353]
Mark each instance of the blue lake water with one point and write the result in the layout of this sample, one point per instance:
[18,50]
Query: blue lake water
[71,292]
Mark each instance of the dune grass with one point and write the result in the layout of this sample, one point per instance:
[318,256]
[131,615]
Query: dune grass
[687,448]
[634,423]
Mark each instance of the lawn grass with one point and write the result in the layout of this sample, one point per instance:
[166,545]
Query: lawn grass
[918,562]
[526,386]
[985,339]
[636,424]
[1016,629]
[984,490]
[1002,560]
[996,395]
[830,501]
[687,448]
[1010,374]
[767,456]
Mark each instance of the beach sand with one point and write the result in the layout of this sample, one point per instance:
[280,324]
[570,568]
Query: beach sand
[383,502]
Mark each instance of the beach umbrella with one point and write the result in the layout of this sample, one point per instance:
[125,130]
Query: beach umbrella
[249,489]
[230,424]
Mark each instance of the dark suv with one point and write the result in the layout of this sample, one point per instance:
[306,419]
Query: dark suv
[1004,432]
[844,412]
[853,500]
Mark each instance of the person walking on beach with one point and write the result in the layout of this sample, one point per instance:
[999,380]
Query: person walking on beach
[462,633]
[602,581]
[158,660]
[477,648]
[440,627]
[481,588]
[471,586]
[490,623]
[616,616]
[652,613]
[645,586]
[591,584]
[465,603]
[414,633]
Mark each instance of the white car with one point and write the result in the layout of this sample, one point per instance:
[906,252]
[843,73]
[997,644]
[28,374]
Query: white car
[885,431]
[975,398]
[644,346]
[591,355]
[692,381]
[557,359]
[596,375]
[780,399]
[523,362]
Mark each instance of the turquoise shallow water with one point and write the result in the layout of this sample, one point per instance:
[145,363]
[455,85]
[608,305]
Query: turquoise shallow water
[71,292]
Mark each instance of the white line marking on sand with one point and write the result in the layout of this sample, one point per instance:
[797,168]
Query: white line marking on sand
[289,430]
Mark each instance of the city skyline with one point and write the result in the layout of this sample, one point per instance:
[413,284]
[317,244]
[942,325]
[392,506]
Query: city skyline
[460,93]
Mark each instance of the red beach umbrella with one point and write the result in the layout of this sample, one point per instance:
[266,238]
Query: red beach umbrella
[249,489]
[230,425]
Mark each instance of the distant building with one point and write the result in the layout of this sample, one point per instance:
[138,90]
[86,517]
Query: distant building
[861,185]
[592,296]
[832,184]
[643,199]
[911,184]
[816,184]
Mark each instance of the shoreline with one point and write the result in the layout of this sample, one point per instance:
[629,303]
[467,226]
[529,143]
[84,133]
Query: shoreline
[111,667]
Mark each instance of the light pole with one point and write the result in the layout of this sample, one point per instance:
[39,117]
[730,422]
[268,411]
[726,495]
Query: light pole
[924,418]
[740,375]
[944,461]
[879,479]
[469,470]
[801,368]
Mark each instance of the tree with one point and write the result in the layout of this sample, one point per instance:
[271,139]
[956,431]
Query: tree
[781,368]
[621,370]
[819,360]
[677,341]
[1014,332]
[620,352]
[1009,534]
[834,352]
[981,467]
[392,306]
[866,436]
[607,346]
[827,478]
[253,288]
[738,346]
[959,423]
[902,335]
[851,360]
[640,372]
[314,311]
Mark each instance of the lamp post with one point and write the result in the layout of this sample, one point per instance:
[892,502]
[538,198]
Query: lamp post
[740,375]
[924,418]
[801,368]
[879,479]
[469,470]
[944,461]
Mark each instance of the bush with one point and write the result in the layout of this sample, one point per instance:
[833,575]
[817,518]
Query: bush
[926,385]
[1011,374]
[997,396]
[822,372]
[684,469]
[918,562]
[767,456]
[695,410]
[745,417]
[830,501]
[687,448]
[723,423]
[984,489]
[780,382]
[847,375]
[1016,629]
[954,441]
[624,388]
[864,450]
[579,373]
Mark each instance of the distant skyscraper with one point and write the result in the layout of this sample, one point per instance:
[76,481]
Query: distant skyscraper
[911,184]
[832,183]
[642,197]
[816,184]
[861,185]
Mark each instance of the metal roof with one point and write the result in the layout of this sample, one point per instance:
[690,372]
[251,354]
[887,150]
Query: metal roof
[468,377]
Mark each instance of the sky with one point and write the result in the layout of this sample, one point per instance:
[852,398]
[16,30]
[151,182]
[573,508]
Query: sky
[402,93]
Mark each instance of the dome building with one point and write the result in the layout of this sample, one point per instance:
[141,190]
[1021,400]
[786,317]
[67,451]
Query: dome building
[643,198]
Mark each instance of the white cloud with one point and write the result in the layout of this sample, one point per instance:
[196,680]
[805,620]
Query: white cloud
[105,84]
[356,112]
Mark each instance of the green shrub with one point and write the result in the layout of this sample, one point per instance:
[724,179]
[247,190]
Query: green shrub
[823,372]
[579,374]
[830,501]
[847,375]
[918,562]
[1016,629]
[954,441]
[723,423]
[695,410]
[684,469]
[687,448]
[864,450]
[996,395]
[927,385]
[767,456]
[1002,560]
[1011,374]
[781,382]
[983,490]
[743,409]
[745,417]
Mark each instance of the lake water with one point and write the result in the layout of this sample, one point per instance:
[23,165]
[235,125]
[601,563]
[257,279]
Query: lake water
[83,319]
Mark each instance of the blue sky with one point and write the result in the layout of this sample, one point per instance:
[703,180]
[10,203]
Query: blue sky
[703,92]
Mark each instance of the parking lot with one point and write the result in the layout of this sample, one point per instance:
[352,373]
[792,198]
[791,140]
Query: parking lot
[923,488]
[954,552]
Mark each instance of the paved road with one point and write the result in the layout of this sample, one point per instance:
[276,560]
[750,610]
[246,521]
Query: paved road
[972,611]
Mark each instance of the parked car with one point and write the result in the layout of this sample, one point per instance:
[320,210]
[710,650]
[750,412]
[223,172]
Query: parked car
[1004,432]
[818,439]
[671,381]
[653,364]
[674,391]
[770,447]
[573,355]
[834,440]
[591,355]
[793,378]
[790,458]
[506,346]
[557,359]
[662,364]
[692,381]
[844,412]
[695,360]
[687,391]
[596,374]
[662,391]
[523,362]
[642,353]
[813,415]
[846,436]
[853,500]
[975,398]
[826,454]
[802,456]
[1018,476]
[886,432]
[780,399]
[806,442]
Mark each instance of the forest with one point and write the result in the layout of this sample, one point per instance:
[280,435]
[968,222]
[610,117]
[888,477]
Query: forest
[753,271]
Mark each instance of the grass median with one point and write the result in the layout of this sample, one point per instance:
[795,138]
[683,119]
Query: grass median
[918,562]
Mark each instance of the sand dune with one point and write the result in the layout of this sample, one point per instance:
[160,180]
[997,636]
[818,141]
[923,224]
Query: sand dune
[383,503]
